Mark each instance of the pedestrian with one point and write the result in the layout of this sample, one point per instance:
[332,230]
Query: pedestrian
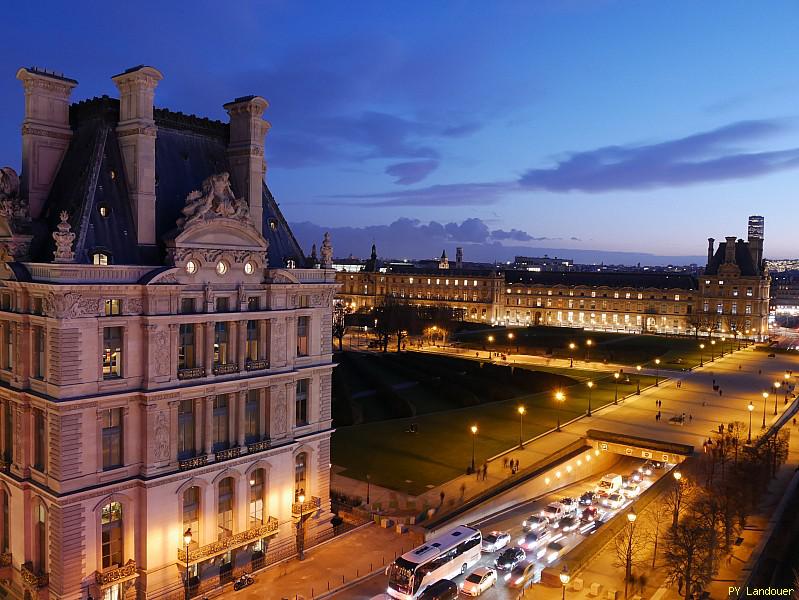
[517,464]
[729,558]
[794,421]
[719,391]
[679,585]
[485,470]
[690,417]
[441,495]
[463,490]
[505,463]
[739,367]
[759,371]
[714,382]
[679,384]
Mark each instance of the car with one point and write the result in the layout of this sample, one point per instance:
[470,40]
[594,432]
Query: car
[656,464]
[636,477]
[554,551]
[589,514]
[533,539]
[554,511]
[613,501]
[509,558]
[569,504]
[443,589]
[478,581]
[677,420]
[587,499]
[534,523]
[521,574]
[569,524]
[631,490]
[647,468]
[496,540]
[772,355]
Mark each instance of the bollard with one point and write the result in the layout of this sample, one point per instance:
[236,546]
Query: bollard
[328,585]
[384,560]
[370,567]
[342,580]
[357,573]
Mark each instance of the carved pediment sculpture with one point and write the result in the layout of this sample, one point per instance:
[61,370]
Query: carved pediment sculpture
[214,199]
[12,207]
[63,240]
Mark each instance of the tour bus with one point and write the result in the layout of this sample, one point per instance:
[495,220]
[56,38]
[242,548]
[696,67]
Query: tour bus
[442,557]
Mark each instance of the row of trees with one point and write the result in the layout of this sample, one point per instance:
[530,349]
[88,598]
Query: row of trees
[698,520]
[710,321]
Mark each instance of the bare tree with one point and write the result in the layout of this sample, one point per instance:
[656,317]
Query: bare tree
[631,545]
[657,515]
[677,499]
[686,554]
[340,312]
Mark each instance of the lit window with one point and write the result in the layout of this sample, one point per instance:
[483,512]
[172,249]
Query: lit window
[221,267]
[103,210]
[721,282]
[191,267]
[100,258]
[249,268]
[111,521]
[112,352]
[112,307]
[676,297]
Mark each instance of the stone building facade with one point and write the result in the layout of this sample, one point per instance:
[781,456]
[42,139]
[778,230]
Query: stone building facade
[166,359]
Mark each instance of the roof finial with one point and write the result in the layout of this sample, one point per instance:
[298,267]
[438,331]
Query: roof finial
[63,240]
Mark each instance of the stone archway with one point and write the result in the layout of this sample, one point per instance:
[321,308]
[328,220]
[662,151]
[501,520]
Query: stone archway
[537,320]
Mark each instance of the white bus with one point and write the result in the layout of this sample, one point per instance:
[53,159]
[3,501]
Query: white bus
[443,557]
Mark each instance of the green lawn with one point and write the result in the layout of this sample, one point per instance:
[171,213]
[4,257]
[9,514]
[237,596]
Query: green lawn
[442,448]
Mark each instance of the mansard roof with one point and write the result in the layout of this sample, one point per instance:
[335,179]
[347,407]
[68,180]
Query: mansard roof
[604,279]
[188,150]
[743,258]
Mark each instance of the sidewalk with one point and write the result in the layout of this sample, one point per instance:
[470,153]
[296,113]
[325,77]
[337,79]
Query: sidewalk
[350,557]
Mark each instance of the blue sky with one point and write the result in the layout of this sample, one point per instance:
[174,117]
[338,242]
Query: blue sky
[620,126]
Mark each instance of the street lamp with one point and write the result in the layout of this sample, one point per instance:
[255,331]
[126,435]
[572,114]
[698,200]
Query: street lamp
[521,411]
[300,532]
[631,516]
[751,407]
[590,385]
[368,485]
[701,362]
[712,343]
[187,543]
[677,497]
[564,579]
[777,385]
[571,354]
[616,396]
[588,344]
[510,339]
[638,382]
[722,346]
[560,397]
[787,377]
[474,437]
[657,372]
[765,398]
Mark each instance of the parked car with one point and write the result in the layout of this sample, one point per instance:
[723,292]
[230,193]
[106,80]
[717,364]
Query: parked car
[589,514]
[521,574]
[631,490]
[613,501]
[478,581]
[587,499]
[554,551]
[496,540]
[443,589]
[677,420]
[569,524]
[509,558]
[553,511]
[533,539]
[534,523]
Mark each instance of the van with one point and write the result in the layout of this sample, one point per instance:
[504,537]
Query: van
[554,511]
[609,484]
[443,589]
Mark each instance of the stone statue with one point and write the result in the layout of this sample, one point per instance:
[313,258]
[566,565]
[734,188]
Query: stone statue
[327,252]
[214,199]
[63,240]
[12,207]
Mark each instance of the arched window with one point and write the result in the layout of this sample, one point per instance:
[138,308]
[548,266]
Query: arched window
[191,513]
[224,514]
[300,475]
[5,542]
[40,525]
[257,482]
[111,521]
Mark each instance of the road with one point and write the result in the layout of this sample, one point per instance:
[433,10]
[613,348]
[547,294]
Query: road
[508,520]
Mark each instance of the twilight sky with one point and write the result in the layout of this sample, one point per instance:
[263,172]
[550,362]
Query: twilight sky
[506,127]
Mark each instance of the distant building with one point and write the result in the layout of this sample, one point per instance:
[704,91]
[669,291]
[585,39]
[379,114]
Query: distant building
[785,293]
[545,263]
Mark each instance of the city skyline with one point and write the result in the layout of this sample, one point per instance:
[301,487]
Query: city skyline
[558,126]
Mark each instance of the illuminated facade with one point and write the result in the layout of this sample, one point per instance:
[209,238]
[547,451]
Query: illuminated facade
[164,366]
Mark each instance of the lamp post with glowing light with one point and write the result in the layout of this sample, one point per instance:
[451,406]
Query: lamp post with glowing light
[701,362]
[712,357]
[750,407]
[521,410]
[631,516]
[368,485]
[765,398]
[588,344]
[722,347]
[187,543]
[564,580]
[677,497]
[300,530]
[559,397]
[616,395]
[787,377]
[490,341]
[510,340]
[590,385]
[777,385]
[638,382]
[571,354]
[473,429]
[657,372]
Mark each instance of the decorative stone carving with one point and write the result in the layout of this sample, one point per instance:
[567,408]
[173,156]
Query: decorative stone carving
[327,252]
[63,240]
[215,199]
[12,207]
[280,413]
[18,437]
[135,306]
[71,305]
[161,341]
[160,441]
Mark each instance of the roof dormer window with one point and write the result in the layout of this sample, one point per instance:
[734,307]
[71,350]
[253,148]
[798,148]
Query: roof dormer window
[101,258]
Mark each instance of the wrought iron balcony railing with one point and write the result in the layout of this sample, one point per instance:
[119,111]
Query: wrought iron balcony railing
[226,368]
[111,576]
[228,543]
[191,373]
[303,508]
[257,365]
[259,446]
[193,463]
[227,454]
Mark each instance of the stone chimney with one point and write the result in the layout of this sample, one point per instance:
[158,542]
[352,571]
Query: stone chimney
[45,132]
[729,249]
[246,152]
[710,249]
[136,133]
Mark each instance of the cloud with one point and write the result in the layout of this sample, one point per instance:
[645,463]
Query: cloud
[454,194]
[408,173]
[698,158]
[514,234]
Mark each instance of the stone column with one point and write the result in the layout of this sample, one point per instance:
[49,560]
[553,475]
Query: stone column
[263,339]
[208,425]
[241,343]
[199,412]
[241,399]
[208,348]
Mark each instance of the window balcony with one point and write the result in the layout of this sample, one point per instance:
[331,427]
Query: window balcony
[259,446]
[226,368]
[193,463]
[116,575]
[33,579]
[257,365]
[234,541]
[304,508]
[191,373]
[227,454]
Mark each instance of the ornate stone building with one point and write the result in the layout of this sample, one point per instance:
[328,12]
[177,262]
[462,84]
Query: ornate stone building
[165,363]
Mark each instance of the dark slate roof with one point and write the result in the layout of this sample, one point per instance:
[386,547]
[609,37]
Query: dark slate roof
[451,272]
[188,149]
[743,258]
[604,279]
